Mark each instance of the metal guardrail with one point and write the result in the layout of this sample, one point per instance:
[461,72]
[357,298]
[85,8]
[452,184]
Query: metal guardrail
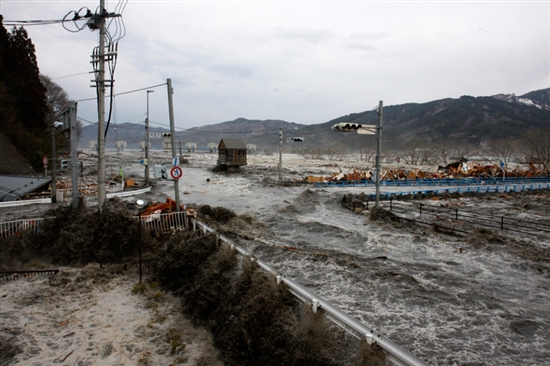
[25,202]
[434,182]
[15,275]
[128,193]
[396,354]
[461,190]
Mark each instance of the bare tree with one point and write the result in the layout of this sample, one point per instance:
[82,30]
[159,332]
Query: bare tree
[336,150]
[442,152]
[56,97]
[427,156]
[536,147]
[503,150]
[411,151]
[58,101]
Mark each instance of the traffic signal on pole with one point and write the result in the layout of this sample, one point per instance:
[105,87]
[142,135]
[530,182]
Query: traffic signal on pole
[295,139]
[346,127]
[166,134]
[64,164]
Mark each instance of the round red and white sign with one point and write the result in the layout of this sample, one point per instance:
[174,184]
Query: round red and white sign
[45,160]
[176,172]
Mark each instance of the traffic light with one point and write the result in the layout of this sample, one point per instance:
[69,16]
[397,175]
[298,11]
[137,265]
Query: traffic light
[346,127]
[296,139]
[64,164]
[166,134]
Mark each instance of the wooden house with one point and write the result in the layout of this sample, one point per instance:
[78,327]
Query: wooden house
[231,154]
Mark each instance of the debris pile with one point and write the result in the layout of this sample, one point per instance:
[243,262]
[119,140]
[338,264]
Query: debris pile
[460,169]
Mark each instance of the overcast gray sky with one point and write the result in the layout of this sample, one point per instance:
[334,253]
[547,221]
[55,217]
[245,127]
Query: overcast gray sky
[299,61]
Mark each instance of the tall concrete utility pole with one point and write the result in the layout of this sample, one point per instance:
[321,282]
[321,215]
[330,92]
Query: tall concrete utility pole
[74,154]
[147,141]
[172,138]
[280,155]
[378,153]
[100,84]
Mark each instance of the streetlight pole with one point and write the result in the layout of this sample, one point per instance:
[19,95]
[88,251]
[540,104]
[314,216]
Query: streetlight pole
[147,141]
[140,204]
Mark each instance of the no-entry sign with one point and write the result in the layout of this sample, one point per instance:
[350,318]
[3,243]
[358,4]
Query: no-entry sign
[176,172]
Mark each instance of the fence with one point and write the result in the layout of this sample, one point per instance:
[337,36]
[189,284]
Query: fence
[17,227]
[413,211]
[164,223]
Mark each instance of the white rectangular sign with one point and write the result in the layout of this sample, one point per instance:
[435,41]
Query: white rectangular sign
[367,130]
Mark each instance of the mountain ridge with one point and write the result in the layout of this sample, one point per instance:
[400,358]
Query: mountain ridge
[468,120]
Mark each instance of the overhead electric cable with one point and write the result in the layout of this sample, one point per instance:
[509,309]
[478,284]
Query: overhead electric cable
[127,92]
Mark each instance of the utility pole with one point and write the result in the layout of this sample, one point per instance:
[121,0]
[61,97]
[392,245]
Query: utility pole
[100,84]
[378,153]
[147,141]
[280,155]
[74,154]
[172,137]
[54,156]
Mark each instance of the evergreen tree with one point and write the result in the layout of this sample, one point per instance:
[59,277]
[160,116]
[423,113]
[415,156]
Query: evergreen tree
[23,106]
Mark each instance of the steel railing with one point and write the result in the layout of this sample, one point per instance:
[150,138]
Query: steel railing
[396,354]
[434,182]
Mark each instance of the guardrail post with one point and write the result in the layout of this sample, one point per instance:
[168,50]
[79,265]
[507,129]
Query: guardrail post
[420,213]
[456,214]
[314,305]
[391,203]
[279,279]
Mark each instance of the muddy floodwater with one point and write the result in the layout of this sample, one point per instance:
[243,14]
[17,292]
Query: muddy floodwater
[447,299]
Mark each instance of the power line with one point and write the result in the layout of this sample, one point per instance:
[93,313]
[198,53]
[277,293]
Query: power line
[68,76]
[127,92]
[32,22]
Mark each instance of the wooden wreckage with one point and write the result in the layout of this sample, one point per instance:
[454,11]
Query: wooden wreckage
[460,169]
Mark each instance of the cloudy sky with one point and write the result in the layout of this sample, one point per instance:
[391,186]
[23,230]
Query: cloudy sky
[299,61]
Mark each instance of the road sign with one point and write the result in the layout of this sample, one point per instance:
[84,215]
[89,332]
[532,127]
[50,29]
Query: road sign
[176,161]
[367,130]
[502,164]
[398,159]
[176,172]
[45,160]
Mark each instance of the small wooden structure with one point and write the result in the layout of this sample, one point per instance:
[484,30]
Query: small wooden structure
[231,154]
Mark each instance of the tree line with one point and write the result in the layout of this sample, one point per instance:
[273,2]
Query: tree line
[29,102]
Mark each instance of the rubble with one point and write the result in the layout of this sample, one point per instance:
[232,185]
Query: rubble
[460,169]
